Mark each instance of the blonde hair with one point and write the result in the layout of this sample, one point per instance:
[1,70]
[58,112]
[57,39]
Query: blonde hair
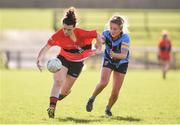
[164,32]
[121,21]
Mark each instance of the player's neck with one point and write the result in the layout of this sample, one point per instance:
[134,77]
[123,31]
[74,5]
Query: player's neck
[73,37]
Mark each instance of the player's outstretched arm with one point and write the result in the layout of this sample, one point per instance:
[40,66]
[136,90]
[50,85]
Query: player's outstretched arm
[98,44]
[41,55]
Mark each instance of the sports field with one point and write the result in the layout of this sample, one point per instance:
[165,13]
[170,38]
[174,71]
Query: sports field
[145,25]
[144,98]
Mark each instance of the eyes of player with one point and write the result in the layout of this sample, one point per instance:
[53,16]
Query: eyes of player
[68,30]
[115,28]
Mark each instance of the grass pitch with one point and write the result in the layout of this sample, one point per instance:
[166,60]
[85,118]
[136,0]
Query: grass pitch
[144,98]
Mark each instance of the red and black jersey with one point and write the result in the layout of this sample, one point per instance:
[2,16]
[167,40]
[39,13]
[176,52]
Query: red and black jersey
[165,49]
[74,50]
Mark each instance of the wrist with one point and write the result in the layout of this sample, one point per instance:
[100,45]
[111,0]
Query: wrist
[115,55]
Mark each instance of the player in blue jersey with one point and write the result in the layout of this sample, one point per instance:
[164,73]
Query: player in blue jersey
[115,61]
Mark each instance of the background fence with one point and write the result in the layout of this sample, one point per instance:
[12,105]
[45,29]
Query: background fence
[22,38]
[145,58]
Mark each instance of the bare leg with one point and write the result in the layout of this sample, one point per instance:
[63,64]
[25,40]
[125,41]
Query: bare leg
[165,67]
[66,87]
[59,79]
[105,76]
[118,79]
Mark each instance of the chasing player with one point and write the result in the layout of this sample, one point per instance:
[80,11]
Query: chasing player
[116,59]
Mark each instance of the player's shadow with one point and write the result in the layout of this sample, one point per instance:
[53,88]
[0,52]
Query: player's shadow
[120,118]
[77,120]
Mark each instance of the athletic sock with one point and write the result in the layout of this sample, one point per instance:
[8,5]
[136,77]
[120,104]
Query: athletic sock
[61,97]
[53,101]
[108,108]
[92,98]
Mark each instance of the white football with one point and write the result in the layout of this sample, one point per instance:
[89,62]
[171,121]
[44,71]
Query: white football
[54,65]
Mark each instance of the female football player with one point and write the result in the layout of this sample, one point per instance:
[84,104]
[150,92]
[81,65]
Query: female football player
[164,53]
[75,44]
[116,58]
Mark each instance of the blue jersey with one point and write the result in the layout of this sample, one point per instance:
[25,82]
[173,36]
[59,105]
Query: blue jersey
[116,46]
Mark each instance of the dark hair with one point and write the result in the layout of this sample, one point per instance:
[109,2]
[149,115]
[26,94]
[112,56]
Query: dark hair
[117,20]
[70,17]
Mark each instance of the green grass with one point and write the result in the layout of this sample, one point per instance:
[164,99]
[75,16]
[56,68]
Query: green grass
[144,98]
[26,19]
[145,25]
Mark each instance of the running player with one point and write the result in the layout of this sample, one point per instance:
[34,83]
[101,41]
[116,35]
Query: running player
[75,44]
[116,58]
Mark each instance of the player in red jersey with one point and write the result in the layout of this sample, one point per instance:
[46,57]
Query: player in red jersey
[164,53]
[76,46]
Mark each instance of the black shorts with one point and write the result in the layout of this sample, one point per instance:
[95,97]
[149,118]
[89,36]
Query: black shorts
[122,68]
[74,68]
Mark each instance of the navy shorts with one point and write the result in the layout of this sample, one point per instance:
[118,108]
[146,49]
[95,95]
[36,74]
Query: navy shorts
[122,68]
[74,68]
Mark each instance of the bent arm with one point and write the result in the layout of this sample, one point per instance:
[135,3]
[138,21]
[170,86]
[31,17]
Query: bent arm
[124,51]
[41,55]
[121,55]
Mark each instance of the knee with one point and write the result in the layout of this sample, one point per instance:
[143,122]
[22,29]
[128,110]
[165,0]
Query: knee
[58,82]
[103,82]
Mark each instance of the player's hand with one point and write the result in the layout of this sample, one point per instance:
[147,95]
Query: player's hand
[96,51]
[39,65]
[112,54]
